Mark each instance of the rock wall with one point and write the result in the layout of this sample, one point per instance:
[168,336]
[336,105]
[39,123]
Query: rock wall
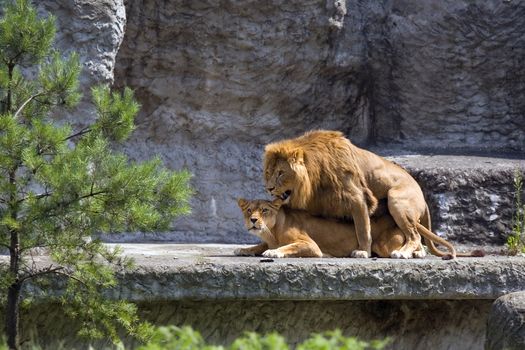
[94,29]
[436,325]
[449,74]
[218,80]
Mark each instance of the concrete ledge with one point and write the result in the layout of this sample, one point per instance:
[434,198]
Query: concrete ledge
[171,272]
[419,304]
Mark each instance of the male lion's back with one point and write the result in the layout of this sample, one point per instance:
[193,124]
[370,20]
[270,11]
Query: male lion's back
[319,139]
[309,140]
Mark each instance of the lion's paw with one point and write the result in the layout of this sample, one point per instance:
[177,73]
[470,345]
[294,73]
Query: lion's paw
[273,253]
[359,254]
[418,254]
[397,254]
[242,252]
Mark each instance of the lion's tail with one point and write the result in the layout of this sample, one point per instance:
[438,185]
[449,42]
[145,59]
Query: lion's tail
[427,223]
[431,237]
[426,231]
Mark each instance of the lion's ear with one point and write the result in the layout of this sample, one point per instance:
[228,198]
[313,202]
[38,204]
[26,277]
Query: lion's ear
[296,157]
[243,203]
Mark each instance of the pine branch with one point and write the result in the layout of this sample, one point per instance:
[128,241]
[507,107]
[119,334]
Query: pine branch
[26,102]
[42,272]
[48,194]
[85,130]
[39,196]
[69,275]
[29,247]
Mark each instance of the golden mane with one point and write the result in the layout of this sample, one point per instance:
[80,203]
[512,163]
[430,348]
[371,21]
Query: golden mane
[320,159]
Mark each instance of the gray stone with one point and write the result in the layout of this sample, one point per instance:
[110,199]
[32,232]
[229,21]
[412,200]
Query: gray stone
[414,325]
[471,198]
[94,29]
[506,323]
[449,74]
[180,272]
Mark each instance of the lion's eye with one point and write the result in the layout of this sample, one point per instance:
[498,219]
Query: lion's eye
[265,211]
[249,211]
[280,173]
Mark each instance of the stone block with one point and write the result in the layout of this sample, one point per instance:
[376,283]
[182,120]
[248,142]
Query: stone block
[506,323]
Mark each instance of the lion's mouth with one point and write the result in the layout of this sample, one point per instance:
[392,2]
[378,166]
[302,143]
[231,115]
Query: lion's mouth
[285,195]
[256,231]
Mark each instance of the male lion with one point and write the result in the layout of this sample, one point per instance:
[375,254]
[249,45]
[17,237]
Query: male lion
[289,232]
[323,173]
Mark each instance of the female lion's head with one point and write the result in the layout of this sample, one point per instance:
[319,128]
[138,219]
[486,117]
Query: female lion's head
[259,215]
[286,175]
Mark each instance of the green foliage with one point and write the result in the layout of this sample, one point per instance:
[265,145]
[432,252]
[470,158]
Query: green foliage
[254,341]
[175,338]
[116,112]
[24,39]
[337,341]
[58,80]
[516,241]
[59,186]
[185,338]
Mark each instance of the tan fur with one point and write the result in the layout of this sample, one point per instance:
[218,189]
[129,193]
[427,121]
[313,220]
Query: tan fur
[287,232]
[328,176]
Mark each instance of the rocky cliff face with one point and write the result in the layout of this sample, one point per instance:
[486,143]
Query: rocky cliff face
[449,74]
[218,80]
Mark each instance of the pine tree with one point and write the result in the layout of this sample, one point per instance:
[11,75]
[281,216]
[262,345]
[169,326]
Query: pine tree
[59,185]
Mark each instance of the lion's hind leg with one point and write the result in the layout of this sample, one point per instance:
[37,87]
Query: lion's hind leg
[388,242]
[420,252]
[406,215]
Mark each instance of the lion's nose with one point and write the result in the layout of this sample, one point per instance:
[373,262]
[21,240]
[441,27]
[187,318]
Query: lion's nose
[270,189]
[253,220]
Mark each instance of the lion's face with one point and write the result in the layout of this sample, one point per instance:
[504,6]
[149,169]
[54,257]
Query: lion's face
[283,175]
[259,215]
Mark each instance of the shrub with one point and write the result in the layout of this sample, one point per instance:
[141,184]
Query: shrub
[516,241]
[185,338]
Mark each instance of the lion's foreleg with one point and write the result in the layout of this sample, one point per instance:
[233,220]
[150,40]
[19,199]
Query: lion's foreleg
[297,250]
[251,251]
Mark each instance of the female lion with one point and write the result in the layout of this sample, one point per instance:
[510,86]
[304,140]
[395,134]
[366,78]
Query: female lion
[288,232]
